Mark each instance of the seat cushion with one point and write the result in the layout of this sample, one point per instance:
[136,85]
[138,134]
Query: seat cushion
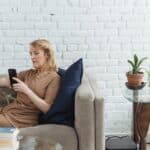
[62,111]
[64,135]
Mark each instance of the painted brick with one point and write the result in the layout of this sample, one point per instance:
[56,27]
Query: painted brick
[69,26]
[74,40]
[73,2]
[104,32]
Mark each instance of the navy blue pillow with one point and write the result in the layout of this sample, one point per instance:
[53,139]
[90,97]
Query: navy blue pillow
[62,111]
[61,72]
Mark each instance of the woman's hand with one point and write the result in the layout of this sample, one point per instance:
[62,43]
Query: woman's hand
[20,86]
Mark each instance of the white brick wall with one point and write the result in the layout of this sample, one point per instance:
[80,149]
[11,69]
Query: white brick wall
[104,32]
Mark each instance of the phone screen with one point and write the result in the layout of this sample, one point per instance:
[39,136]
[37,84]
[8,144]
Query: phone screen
[12,73]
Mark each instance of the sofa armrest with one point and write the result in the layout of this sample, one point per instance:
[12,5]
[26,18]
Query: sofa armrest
[85,116]
[99,125]
[99,116]
[62,134]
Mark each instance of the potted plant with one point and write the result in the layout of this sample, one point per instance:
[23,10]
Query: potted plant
[135,75]
[148,75]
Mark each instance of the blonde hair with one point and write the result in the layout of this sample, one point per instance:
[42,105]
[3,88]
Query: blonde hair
[48,49]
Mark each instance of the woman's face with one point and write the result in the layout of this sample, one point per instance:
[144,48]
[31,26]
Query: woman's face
[38,57]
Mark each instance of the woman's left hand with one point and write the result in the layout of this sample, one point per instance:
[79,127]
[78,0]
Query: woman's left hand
[20,86]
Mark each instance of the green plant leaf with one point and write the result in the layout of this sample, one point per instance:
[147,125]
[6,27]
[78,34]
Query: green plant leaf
[138,69]
[131,63]
[135,64]
[135,60]
[141,61]
[135,70]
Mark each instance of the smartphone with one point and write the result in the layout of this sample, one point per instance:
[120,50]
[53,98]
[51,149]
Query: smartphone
[12,73]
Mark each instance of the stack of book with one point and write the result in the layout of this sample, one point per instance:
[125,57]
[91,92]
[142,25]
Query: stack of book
[8,138]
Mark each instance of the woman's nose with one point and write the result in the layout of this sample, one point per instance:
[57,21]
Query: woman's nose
[32,56]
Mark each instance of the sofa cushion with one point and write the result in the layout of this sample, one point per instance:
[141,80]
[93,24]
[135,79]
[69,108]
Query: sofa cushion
[62,134]
[62,111]
[61,72]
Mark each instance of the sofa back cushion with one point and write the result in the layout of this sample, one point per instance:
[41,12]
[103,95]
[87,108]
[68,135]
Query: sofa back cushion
[62,111]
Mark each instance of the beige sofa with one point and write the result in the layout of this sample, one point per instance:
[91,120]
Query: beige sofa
[88,133]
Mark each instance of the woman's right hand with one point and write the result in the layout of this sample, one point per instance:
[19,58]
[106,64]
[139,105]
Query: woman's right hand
[20,86]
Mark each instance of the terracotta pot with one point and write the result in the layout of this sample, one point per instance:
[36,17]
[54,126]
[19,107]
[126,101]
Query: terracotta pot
[135,79]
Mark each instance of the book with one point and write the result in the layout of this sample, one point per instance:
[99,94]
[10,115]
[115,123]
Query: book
[6,132]
[8,138]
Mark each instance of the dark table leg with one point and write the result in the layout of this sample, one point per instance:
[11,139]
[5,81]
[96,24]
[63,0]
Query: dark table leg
[135,131]
[143,120]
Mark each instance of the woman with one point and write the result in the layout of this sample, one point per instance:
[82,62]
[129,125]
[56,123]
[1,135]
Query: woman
[36,88]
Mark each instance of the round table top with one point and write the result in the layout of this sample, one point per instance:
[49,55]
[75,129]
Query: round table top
[137,95]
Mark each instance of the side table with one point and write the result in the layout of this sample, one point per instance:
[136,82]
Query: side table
[141,119]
